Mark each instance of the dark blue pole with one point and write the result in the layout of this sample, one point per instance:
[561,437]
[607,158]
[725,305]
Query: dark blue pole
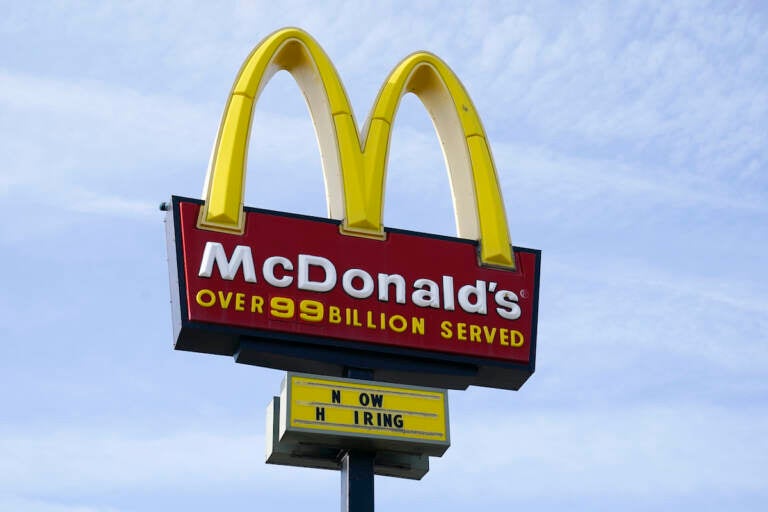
[357,466]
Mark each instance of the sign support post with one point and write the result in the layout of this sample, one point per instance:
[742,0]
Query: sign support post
[357,481]
[357,490]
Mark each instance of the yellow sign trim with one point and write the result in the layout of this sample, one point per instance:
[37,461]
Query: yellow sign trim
[354,168]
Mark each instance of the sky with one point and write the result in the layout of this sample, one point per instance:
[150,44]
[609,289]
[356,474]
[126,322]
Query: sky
[630,142]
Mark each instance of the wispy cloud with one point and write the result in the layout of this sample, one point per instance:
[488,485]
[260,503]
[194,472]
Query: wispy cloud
[587,452]
[630,142]
[639,308]
[43,505]
[94,462]
[636,451]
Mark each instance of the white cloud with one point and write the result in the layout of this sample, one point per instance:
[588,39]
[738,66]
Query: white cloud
[637,450]
[62,133]
[88,202]
[627,311]
[40,505]
[650,450]
[71,144]
[610,121]
[593,78]
[564,182]
[87,462]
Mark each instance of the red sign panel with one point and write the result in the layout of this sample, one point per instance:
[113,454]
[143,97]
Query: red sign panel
[298,276]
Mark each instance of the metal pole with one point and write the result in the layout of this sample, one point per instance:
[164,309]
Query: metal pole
[357,466]
[357,481]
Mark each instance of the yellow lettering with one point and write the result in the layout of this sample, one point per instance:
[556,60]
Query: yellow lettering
[224,300]
[356,319]
[311,310]
[517,339]
[257,303]
[334,315]
[369,320]
[445,330]
[239,302]
[417,325]
[461,331]
[504,337]
[474,333]
[397,323]
[490,334]
[281,307]
[205,298]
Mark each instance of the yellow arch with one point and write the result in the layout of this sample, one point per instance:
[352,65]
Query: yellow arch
[355,170]
[295,51]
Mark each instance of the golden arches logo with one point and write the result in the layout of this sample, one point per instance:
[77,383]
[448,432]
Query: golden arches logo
[354,168]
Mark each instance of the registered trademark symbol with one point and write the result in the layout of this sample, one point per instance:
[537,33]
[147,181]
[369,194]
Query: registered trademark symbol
[524,294]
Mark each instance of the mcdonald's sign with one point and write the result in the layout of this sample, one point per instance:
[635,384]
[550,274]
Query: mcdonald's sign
[317,295]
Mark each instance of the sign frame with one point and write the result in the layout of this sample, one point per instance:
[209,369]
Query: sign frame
[310,455]
[367,441]
[330,356]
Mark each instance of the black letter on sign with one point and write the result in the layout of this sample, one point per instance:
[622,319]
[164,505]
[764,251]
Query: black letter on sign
[336,396]
[320,413]
[377,400]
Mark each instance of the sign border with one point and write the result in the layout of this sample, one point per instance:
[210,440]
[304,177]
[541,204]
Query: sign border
[382,442]
[330,356]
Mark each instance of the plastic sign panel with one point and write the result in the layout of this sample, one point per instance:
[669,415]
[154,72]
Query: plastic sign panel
[374,415]
[317,295]
[300,453]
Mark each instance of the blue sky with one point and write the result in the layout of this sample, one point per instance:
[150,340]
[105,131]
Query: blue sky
[630,140]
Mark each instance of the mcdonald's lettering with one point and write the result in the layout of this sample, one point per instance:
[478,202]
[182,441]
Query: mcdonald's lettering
[285,290]
[358,283]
